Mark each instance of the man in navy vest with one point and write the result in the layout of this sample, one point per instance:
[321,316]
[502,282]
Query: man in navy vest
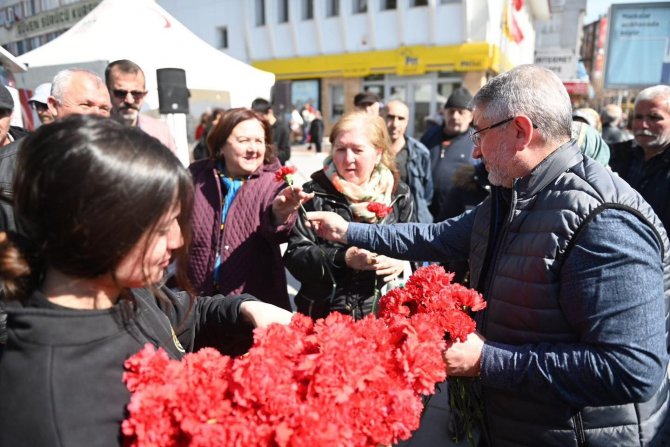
[572,348]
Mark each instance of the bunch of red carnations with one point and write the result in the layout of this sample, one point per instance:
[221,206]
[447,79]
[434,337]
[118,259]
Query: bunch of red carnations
[334,381]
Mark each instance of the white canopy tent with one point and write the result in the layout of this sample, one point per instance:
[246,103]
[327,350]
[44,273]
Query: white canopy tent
[142,31]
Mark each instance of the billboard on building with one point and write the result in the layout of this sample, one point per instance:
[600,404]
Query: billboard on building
[638,50]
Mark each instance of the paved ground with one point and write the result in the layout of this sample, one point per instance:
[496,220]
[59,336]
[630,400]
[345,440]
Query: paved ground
[433,430]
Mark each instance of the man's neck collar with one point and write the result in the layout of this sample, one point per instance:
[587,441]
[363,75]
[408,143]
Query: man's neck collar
[398,145]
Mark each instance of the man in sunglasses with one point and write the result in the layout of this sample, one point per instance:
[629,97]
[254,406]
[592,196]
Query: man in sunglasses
[572,347]
[39,103]
[126,84]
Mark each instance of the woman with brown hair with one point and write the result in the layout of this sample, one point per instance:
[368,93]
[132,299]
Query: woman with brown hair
[241,212]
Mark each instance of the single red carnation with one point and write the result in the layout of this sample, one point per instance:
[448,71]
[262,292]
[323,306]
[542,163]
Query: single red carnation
[284,174]
[379,209]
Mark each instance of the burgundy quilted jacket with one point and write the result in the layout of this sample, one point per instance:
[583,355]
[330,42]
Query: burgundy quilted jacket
[250,256]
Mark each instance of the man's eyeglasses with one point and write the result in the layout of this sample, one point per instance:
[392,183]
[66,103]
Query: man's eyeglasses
[121,94]
[38,106]
[475,135]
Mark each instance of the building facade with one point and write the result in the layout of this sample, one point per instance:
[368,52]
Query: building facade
[28,24]
[326,51]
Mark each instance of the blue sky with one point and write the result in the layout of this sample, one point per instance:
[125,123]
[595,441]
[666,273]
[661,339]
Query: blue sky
[596,8]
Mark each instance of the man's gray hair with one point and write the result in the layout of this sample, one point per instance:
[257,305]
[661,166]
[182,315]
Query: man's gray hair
[532,91]
[63,78]
[654,93]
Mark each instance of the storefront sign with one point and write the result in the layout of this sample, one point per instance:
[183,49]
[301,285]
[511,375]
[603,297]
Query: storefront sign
[55,19]
[561,61]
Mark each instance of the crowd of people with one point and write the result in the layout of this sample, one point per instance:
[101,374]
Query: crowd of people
[556,215]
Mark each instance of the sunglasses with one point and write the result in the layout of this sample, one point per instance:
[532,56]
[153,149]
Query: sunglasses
[38,106]
[122,94]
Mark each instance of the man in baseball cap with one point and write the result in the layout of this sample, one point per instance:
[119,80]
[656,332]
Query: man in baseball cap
[367,102]
[451,149]
[8,133]
[40,104]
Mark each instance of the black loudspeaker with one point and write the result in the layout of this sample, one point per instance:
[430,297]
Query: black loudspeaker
[172,91]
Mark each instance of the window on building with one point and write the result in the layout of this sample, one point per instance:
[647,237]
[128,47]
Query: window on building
[336,102]
[414,3]
[28,8]
[12,47]
[50,4]
[389,4]
[332,8]
[360,6]
[260,12]
[307,9]
[223,37]
[282,11]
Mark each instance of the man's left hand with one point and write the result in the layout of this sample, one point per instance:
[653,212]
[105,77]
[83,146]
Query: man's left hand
[462,358]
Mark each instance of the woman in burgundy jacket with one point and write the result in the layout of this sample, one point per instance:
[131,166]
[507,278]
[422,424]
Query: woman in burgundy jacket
[241,212]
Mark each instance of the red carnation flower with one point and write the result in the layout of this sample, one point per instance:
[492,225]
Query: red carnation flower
[334,381]
[285,174]
[379,209]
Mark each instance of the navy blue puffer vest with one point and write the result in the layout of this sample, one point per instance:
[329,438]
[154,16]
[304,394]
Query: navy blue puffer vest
[555,201]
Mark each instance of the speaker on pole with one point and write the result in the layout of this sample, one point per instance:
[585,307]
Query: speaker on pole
[172,91]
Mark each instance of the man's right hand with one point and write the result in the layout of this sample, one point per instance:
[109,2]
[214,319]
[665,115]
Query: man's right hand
[328,225]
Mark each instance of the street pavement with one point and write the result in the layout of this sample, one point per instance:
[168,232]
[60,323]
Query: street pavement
[434,422]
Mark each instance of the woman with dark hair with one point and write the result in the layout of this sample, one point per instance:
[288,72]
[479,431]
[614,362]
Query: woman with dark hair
[105,208]
[241,213]
[359,182]
[200,149]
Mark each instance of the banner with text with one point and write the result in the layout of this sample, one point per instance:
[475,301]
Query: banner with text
[638,50]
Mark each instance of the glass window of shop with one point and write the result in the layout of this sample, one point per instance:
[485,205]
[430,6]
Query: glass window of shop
[424,95]
[336,102]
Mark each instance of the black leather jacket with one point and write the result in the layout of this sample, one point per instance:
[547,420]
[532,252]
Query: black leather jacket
[8,158]
[309,259]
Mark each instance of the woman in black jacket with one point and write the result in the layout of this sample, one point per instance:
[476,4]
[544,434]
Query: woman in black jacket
[359,182]
[103,207]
